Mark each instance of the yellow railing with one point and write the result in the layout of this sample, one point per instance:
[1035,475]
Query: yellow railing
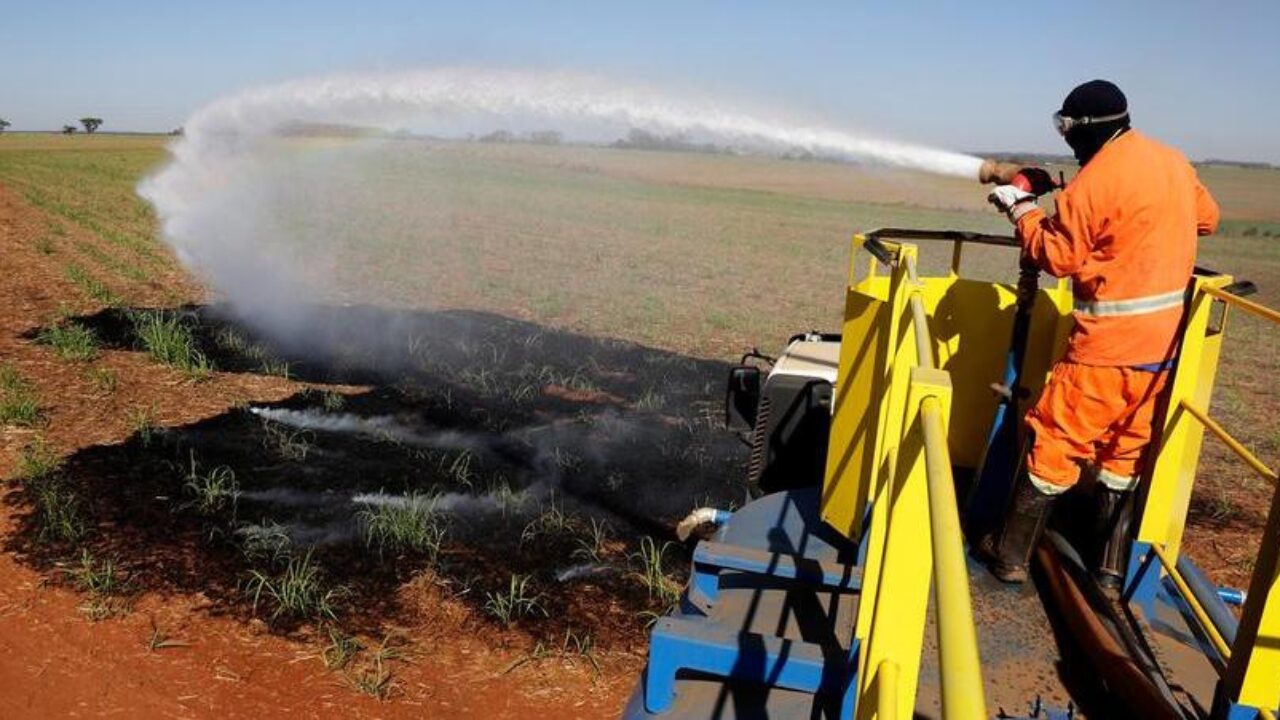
[959,666]
[1252,663]
[1235,445]
[917,490]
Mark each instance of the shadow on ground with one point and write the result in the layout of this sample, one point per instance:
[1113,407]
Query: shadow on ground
[541,453]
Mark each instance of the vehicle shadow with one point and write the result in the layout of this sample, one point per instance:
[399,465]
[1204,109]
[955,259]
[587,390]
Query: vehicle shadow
[537,453]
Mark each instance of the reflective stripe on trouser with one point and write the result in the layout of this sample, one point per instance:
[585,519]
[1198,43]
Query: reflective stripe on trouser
[1114,481]
[1132,306]
[1092,414]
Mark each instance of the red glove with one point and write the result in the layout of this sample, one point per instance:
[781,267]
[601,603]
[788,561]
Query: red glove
[1038,181]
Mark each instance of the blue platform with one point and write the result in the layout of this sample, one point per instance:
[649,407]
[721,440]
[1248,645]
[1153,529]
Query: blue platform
[766,626]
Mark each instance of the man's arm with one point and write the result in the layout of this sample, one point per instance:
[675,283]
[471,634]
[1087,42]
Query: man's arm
[1061,244]
[1207,212]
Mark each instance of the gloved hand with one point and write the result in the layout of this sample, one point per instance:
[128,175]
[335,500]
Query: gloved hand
[1040,180]
[1011,201]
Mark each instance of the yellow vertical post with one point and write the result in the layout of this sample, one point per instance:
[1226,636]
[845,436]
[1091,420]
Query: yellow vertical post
[1174,468]
[900,355]
[887,691]
[1253,673]
[902,596]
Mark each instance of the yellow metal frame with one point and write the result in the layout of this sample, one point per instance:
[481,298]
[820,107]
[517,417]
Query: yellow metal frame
[890,451]
[1252,664]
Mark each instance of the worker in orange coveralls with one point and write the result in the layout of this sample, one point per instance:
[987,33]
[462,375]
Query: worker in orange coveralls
[1125,232]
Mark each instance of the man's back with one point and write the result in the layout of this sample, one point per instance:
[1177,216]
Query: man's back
[1126,234]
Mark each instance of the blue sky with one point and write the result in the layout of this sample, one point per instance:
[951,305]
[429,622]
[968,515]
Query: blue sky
[966,76]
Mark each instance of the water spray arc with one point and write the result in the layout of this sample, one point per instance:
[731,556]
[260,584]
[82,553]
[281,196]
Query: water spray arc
[220,198]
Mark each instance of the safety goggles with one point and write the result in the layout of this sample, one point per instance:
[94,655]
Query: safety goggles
[1064,123]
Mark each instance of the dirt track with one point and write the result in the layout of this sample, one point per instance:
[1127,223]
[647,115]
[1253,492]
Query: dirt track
[54,661]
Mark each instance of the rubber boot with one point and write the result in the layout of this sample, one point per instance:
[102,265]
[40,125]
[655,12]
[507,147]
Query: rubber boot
[1115,515]
[1023,525]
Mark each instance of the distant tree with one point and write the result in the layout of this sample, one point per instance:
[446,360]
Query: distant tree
[68,129]
[498,136]
[4,124]
[90,123]
[546,137]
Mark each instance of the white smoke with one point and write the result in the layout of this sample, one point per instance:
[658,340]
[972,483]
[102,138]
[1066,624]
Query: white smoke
[380,427]
[463,504]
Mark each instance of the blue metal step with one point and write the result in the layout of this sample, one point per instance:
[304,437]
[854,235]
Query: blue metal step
[766,622]
[710,558]
[678,644]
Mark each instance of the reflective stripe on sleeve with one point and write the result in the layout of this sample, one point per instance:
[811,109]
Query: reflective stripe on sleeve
[1132,306]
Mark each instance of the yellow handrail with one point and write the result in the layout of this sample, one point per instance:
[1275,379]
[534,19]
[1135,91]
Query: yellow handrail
[1249,665]
[1235,445]
[1249,305]
[959,665]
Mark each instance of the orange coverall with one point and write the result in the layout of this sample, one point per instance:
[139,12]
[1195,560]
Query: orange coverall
[1125,233]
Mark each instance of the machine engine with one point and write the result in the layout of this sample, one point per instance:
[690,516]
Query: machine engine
[785,416]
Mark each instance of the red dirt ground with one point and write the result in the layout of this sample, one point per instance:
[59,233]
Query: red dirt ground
[56,662]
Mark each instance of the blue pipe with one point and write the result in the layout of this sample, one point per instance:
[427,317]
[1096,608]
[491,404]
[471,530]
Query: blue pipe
[1210,598]
[1231,596]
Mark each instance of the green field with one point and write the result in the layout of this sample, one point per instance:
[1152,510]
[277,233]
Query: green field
[700,254]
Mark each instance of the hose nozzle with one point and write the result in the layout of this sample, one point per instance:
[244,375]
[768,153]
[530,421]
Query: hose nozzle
[997,173]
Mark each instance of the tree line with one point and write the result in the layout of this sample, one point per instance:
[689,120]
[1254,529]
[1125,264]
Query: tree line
[90,124]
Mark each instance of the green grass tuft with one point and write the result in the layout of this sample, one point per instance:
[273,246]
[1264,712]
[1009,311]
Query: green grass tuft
[38,462]
[18,405]
[374,679]
[58,514]
[551,521]
[98,578]
[293,444]
[517,602]
[102,379]
[411,526]
[168,338]
[213,490]
[333,401]
[591,545]
[297,592]
[142,421]
[103,583]
[267,541]
[652,573]
[90,285]
[340,650]
[70,341]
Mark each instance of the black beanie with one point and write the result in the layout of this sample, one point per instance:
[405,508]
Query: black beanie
[1096,98]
